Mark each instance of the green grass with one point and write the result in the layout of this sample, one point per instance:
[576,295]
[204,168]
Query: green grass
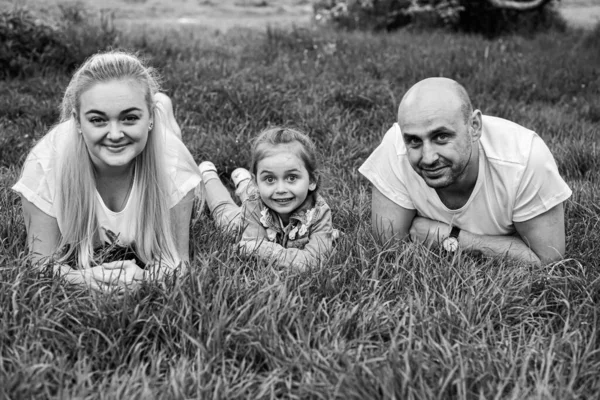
[391,322]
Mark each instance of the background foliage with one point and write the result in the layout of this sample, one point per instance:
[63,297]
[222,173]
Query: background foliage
[374,322]
[474,16]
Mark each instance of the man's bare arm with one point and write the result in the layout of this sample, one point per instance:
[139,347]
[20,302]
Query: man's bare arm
[388,219]
[539,240]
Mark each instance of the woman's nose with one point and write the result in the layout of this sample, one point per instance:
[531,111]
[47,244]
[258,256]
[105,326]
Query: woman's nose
[114,131]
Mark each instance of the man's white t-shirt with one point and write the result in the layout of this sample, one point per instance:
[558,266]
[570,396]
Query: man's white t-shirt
[38,182]
[518,180]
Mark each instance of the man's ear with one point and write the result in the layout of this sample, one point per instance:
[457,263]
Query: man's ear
[475,125]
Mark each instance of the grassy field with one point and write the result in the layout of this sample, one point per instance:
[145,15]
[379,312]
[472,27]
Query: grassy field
[393,322]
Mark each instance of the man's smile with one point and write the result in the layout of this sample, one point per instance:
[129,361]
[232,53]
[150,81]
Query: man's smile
[434,171]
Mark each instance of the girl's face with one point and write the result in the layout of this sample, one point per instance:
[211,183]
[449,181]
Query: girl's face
[283,180]
[114,120]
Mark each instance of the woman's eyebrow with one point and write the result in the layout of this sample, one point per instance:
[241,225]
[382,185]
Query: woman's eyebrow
[128,110]
[94,112]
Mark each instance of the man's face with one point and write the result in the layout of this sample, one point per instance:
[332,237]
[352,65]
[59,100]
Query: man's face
[438,142]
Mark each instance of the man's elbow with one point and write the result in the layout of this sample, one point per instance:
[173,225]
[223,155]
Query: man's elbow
[551,258]
[388,234]
[549,255]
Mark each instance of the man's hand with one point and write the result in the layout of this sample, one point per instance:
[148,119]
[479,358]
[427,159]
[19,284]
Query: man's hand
[429,232]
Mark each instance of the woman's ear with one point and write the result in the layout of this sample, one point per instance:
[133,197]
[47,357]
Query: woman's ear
[76,119]
[312,185]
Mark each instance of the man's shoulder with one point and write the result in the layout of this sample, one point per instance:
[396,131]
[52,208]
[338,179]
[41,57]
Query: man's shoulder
[506,142]
[393,139]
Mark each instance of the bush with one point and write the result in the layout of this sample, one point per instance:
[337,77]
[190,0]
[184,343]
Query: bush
[591,40]
[480,17]
[29,43]
[476,16]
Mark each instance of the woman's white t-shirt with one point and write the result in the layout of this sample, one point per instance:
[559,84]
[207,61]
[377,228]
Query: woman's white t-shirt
[38,182]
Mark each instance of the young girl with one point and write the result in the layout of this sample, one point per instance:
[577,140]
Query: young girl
[107,194]
[283,219]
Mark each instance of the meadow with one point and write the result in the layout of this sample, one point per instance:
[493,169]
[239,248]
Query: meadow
[374,322]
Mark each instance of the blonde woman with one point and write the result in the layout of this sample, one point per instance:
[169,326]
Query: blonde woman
[107,194]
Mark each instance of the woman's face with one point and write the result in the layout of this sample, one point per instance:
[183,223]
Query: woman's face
[114,121]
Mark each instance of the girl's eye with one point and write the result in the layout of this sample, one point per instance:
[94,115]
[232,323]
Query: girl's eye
[269,179]
[292,178]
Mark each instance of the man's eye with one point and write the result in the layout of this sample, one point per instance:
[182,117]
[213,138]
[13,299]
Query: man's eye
[443,137]
[413,142]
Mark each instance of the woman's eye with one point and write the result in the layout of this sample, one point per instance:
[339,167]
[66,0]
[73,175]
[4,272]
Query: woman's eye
[131,118]
[292,178]
[96,121]
[269,179]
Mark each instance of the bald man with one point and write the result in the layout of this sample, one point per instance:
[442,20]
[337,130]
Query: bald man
[449,177]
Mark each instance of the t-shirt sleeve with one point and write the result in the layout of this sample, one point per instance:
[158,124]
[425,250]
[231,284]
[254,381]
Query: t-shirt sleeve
[383,169]
[183,171]
[37,181]
[541,186]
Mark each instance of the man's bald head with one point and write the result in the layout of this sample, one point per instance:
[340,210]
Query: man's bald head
[439,129]
[436,92]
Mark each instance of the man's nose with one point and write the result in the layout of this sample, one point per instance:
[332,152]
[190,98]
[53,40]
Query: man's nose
[429,155]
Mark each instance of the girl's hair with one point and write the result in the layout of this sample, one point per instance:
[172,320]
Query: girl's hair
[76,187]
[281,136]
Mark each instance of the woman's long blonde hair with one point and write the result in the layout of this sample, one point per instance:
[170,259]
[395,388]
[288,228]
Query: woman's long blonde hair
[76,183]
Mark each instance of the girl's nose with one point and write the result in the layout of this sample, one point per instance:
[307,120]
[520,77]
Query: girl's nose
[280,187]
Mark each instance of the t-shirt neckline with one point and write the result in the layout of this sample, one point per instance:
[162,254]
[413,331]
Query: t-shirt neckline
[131,195]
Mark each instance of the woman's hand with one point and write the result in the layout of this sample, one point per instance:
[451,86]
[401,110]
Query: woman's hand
[117,273]
[104,277]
